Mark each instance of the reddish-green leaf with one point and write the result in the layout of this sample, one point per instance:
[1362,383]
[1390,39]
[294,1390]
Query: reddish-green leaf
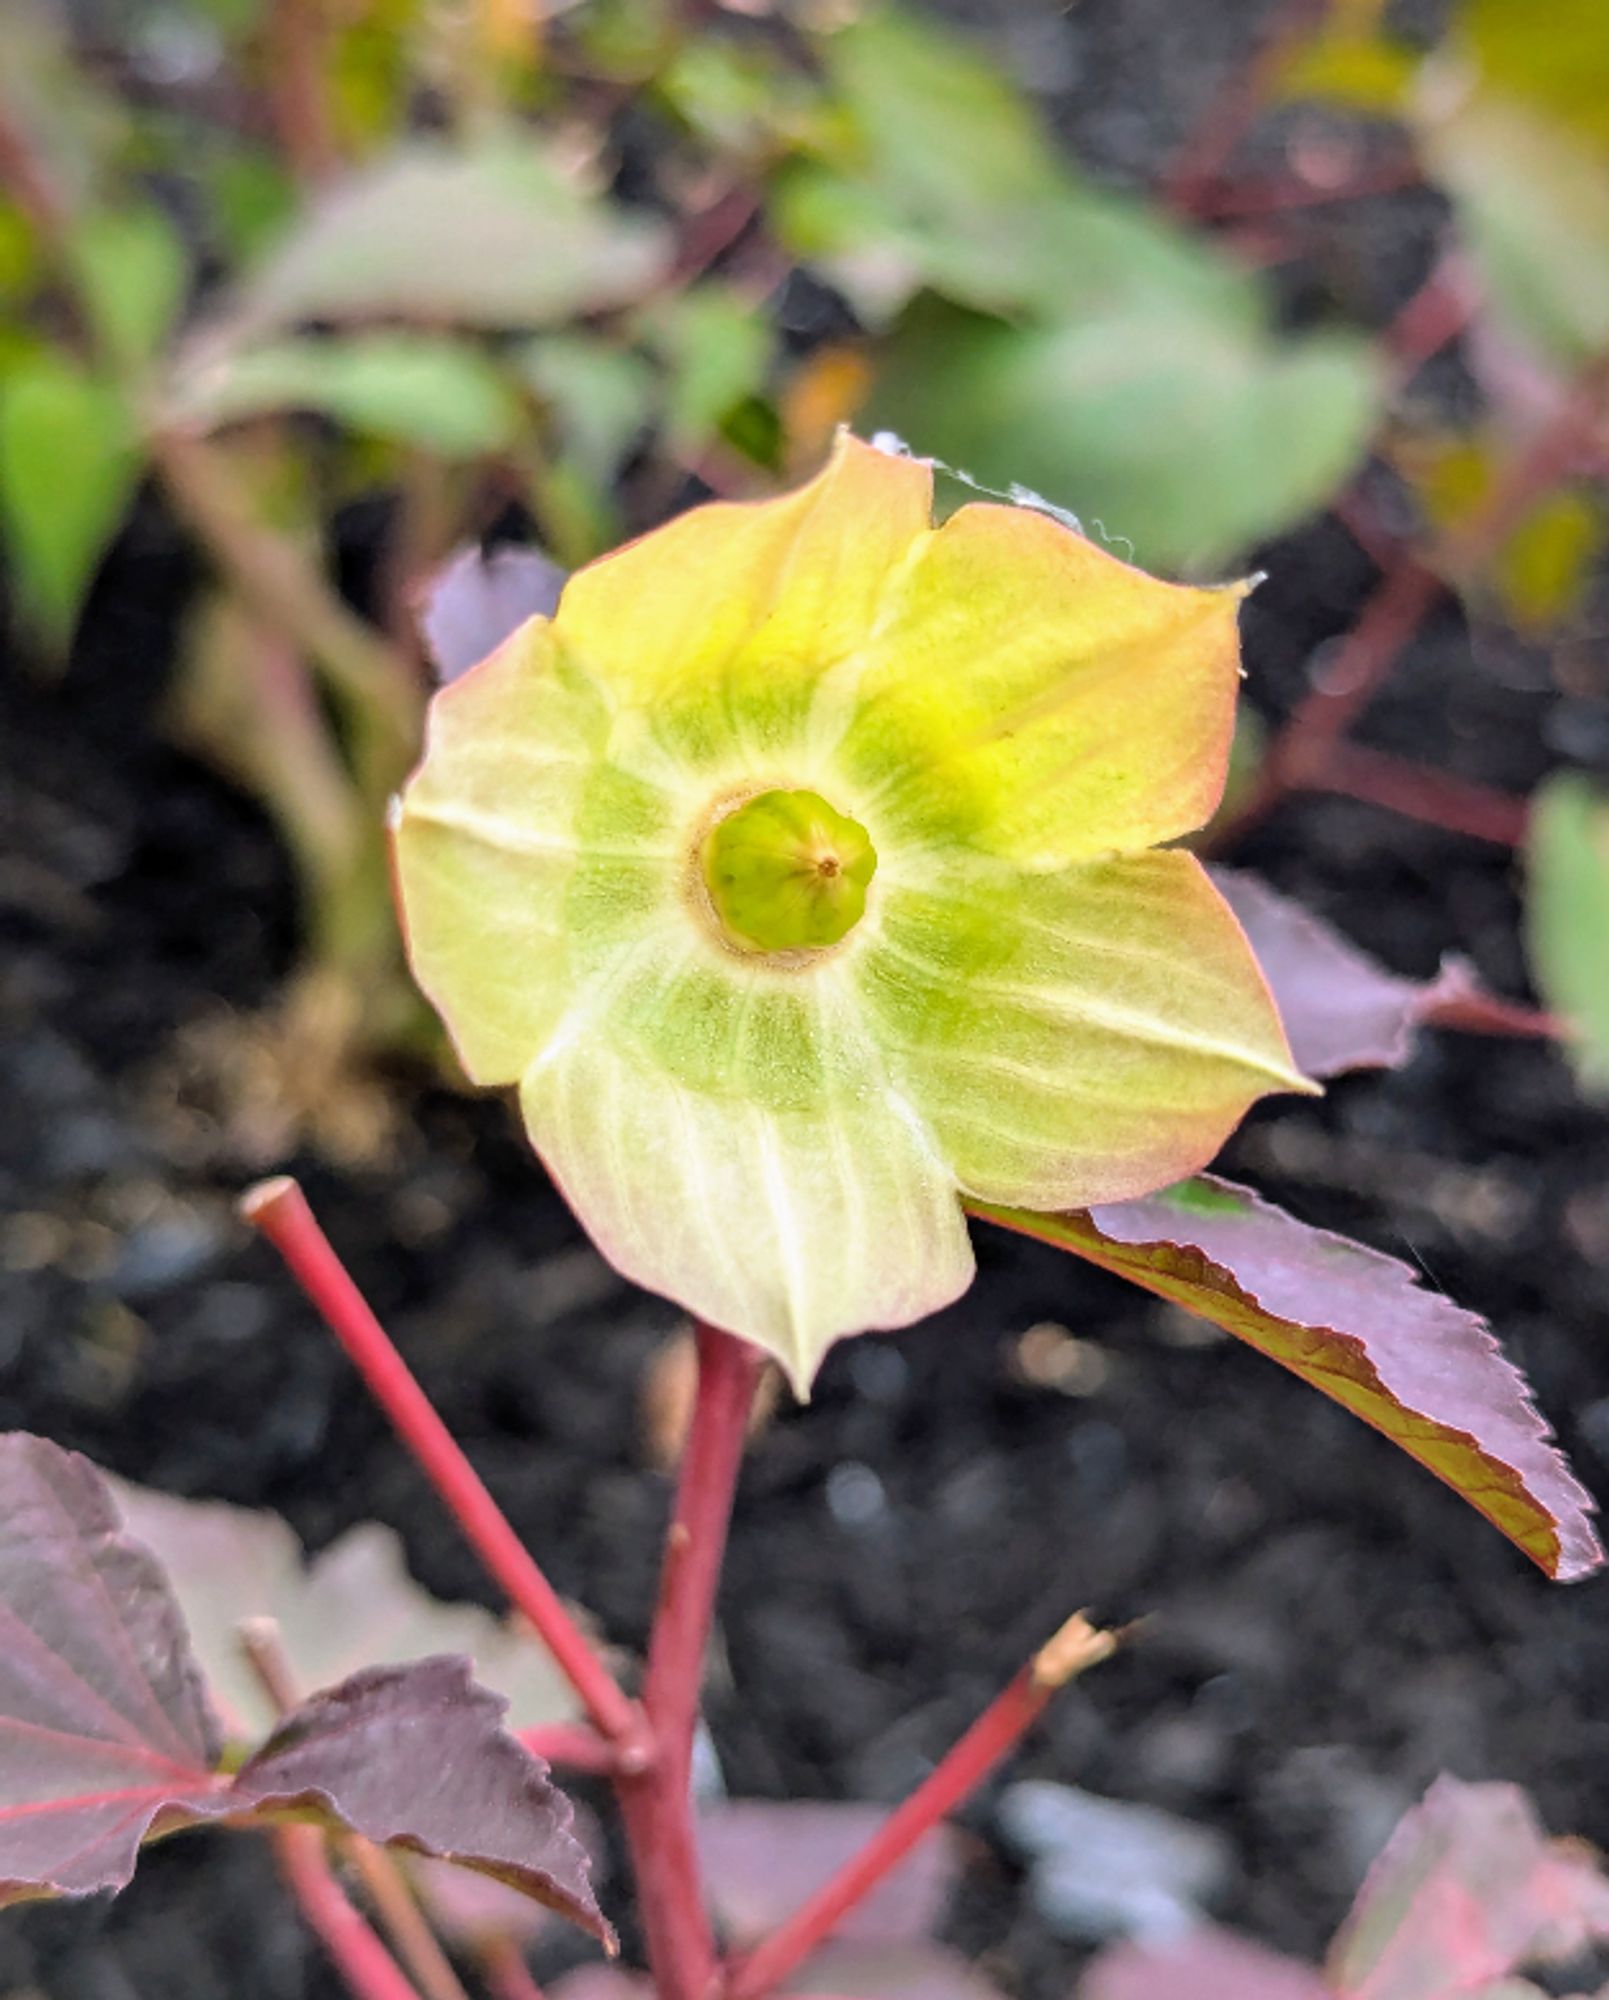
[1341,1010]
[1356,1325]
[1205,1964]
[103,1724]
[1467,1890]
[417,1757]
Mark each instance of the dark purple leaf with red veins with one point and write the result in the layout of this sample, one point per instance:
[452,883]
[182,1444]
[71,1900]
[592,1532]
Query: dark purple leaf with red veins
[1205,1964]
[1358,1326]
[474,601]
[416,1756]
[470,1909]
[1341,1010]
[762,1859]
[1467,1890]
[104,1728]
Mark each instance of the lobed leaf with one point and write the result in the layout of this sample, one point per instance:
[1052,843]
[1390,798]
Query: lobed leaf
[494,236]
[1341,1010]
[416,1757]
[1467,1891]
[1567,913]
[1356,1325]
[106,1736]
[1205,1964]
[353,1605]
[104,1728]
[1171,421]
[762,1859]
[415,388]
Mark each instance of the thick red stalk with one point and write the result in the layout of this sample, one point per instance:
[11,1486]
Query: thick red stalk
[997,1731]
[279,1209]
[572,1746]
[657,1807]
[359,1956]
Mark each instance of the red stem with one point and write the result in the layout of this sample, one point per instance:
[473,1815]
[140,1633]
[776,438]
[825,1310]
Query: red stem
[508,1977]
[1433,317]
[572,1746]
[1199,164]
[359,1956]
[1419,793]
[967,1764]
[279,1209]
[657,1808]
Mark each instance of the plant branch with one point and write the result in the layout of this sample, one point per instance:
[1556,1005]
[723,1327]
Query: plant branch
[1417,792]
[294,40]
[1076,1647]
[1198,166]
[657,1808]
[358,1955]
[286,590]
[279,1209]
[572,1746]
[507,1975]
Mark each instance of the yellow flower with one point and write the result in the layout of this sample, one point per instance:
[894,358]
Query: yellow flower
[804,873]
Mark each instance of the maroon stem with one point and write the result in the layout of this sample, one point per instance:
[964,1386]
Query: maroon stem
[1416,792]
[1199,164]
[657,1806]
[996,1732]
[279,1209]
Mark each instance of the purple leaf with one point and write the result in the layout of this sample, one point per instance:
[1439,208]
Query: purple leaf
[1205,1964]
[1467,1890]
[417,1757]
[474,601]
[103,1724]
[1356,1325]
[1341,1010]
[761,1860]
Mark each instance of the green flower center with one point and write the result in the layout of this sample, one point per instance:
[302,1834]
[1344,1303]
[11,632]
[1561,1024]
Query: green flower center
[785,872]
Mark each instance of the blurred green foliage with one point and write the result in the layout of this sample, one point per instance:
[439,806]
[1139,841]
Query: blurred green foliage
[491,264]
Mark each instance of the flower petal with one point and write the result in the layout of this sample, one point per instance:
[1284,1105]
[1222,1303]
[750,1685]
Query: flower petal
[1029,693]
[774,1187]
[730,612]
[489,838]
[1080,1037]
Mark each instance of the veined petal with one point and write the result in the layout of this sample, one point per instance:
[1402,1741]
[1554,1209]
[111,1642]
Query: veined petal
[489,837]
[792,1214]
[1031,695]
[721,623]
[1077,1037]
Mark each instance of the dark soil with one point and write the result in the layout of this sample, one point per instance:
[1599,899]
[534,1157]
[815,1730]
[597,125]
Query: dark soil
[1328,1628]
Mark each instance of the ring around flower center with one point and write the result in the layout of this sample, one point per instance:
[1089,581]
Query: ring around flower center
[786,872]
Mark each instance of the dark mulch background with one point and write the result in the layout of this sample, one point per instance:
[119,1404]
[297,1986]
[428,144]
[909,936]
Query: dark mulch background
[1329,1628]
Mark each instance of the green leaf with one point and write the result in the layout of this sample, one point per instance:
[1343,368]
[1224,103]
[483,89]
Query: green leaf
[1364,72]
[1558,62]
[1357,1326]
[132,276]
[491,237]
[414,388]
[1534,200]
[1187,434]
[69,463]
[1567,914]
[718,348]
[601,398]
